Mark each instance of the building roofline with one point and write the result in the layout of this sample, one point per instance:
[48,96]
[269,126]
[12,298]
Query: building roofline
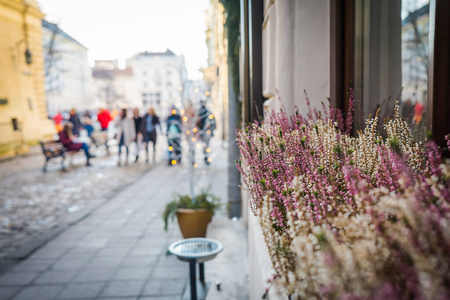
[55,28]
[168,52]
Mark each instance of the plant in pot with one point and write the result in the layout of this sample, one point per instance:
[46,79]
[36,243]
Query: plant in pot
[193,213]
[341,213]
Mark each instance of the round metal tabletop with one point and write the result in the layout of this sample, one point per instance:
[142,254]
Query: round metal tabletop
[200,249]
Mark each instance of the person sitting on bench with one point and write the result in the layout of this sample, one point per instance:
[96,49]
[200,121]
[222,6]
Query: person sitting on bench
[66,138]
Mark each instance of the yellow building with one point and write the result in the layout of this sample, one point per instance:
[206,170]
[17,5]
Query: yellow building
[23,111]
[216,74]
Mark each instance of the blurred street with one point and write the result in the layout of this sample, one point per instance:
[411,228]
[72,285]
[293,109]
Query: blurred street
[33,203]
[97,232]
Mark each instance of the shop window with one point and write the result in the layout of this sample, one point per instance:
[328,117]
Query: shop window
[391,59]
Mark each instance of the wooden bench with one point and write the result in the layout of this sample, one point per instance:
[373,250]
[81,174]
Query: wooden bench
[53,149]
[100,138]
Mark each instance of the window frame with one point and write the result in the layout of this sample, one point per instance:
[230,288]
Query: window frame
[346,19]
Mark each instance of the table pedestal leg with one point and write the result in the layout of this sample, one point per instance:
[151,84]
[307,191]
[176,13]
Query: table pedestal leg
[202,272]
[192,279]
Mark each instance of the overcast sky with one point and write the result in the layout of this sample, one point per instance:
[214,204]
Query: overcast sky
[113,29]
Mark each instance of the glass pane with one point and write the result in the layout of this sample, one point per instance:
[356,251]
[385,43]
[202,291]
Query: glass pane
[391,59]
[415,17]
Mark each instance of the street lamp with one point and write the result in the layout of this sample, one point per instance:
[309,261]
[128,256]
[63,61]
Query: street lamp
[28,57]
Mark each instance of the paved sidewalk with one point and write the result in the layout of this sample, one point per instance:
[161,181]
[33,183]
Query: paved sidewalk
[36,206]
[119,250]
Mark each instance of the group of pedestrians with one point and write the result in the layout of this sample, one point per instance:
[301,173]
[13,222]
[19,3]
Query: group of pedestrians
[142,131]
[104,117]
[138,132]
[69,129]
[412,112]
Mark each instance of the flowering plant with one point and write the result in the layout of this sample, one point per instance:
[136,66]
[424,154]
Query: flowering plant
[349,217]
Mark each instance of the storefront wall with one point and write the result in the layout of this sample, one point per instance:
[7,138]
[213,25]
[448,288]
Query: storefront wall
[296,53]
[377,47]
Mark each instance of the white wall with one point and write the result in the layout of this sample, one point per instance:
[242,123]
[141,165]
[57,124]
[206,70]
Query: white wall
[296,57]
[260,265]
[126,90]
[163,74]
[296,53]
[68,83]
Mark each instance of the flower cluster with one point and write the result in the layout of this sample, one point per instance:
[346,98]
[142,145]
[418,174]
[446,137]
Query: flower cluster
[349,217]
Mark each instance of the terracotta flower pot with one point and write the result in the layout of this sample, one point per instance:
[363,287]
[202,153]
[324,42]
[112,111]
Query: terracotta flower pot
[193,223]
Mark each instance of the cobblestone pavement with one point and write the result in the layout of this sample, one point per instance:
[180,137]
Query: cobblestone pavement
[118,251]
[34,203]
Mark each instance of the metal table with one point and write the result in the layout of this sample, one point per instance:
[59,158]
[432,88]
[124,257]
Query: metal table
[196,250]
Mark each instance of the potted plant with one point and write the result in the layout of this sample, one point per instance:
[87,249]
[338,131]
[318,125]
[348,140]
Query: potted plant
[363,216]
[193,213]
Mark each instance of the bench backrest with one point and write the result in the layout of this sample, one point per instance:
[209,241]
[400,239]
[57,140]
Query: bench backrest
[52,148]
[101,137]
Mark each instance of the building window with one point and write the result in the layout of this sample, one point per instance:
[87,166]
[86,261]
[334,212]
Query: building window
[145,98]
[15,124]
[391,59]
[151,99]
[414,49]
[391,45]
[155,98]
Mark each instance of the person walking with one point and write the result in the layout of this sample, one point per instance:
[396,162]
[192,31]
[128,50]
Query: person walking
[58,119]
[206,124]
[418,111]
[104,117]
[137,125]
[126,133]
[76,122]
[66,138]
[174,133]
[88,126]
[148,130]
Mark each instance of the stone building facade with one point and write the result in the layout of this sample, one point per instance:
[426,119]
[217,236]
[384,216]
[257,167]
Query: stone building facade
[114,87]
[23,110]
[159,79]
[216,73]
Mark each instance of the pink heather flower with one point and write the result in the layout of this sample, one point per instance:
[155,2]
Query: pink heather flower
[351,109]
[309,172]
